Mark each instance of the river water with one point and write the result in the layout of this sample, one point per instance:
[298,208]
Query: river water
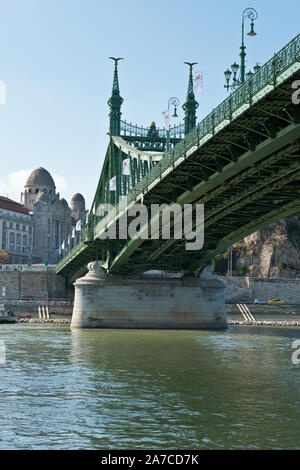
[121,389]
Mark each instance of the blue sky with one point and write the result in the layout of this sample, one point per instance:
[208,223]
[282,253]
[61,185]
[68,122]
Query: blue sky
[54,61]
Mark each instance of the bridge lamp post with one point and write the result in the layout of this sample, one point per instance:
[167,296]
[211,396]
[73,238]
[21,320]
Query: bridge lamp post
[172,102]
[252,15]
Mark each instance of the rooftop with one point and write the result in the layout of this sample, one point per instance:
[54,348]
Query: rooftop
[13,206]
[40,176]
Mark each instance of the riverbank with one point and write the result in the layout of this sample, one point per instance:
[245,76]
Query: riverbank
[237,314]
[263,323]
[263,315]
[247,289]
[60,321]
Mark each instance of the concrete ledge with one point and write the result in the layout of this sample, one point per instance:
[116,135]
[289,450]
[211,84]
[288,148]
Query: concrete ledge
[102,302]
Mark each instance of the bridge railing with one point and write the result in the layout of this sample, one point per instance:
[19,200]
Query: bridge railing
[128,129]
[266,75]
[76,250]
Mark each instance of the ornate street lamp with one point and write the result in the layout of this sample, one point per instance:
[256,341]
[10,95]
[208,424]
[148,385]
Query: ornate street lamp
[172,102]
[251,14]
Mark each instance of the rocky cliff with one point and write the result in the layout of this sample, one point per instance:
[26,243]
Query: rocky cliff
[272,252]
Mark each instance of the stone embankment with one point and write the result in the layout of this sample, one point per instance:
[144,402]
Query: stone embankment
[39,282]
[264,315]
[247,289]
[61,321]
[264,323]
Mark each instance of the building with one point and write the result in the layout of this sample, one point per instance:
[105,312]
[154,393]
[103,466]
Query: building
[43,226]
[77,205]
[16,231]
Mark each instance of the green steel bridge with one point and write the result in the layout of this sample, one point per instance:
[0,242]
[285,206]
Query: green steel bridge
[242,162]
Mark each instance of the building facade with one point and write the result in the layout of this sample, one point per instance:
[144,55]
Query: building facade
[43,226]
[16,231]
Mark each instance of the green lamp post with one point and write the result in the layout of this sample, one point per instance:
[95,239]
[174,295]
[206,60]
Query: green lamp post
[252,15]
[172,102]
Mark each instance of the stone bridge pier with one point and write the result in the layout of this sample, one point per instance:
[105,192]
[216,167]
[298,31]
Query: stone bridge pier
[103,301]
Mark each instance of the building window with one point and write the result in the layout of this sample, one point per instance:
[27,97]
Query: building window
[18,242]
[12,241]
[57,234]
[4,239]
[24,244]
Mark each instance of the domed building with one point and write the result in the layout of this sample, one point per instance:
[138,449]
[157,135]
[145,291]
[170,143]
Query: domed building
[40,181]
[77,206]
[53,220]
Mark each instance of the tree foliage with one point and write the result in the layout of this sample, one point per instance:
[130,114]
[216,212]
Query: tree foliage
[4,259]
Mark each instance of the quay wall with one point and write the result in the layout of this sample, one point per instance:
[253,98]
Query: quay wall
[30,309]
[247,289]
[43,283]
[38,284]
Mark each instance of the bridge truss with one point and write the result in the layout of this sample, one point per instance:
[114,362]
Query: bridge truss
[242,162]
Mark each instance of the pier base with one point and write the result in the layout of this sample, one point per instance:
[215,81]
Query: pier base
[103,301]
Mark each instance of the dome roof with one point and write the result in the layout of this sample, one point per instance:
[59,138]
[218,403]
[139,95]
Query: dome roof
[78,198]
[64,203]
[40,177]
[77,202]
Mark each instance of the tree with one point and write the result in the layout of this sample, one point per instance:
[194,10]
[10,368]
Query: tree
[241,270]
[4,259]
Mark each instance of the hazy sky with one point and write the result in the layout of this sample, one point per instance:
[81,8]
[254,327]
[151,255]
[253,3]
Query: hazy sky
[54,61]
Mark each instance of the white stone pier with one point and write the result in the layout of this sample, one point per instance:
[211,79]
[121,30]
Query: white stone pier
[103,301]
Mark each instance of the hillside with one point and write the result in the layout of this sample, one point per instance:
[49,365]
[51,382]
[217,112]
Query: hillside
[272,252]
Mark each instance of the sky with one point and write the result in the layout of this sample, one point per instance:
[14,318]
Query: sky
[54,63]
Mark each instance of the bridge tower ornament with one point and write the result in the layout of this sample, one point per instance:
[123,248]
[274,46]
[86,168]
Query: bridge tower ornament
[95,274]
[148,139]
[191,104]
[207,273]
[115,102]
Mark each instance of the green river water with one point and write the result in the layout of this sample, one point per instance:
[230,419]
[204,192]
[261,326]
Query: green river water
[122,389]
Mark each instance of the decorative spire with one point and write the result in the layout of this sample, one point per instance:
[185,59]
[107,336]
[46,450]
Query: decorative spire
[191,104]
[115,102]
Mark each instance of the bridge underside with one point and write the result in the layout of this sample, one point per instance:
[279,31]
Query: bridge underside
[262,186]
[246,174]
